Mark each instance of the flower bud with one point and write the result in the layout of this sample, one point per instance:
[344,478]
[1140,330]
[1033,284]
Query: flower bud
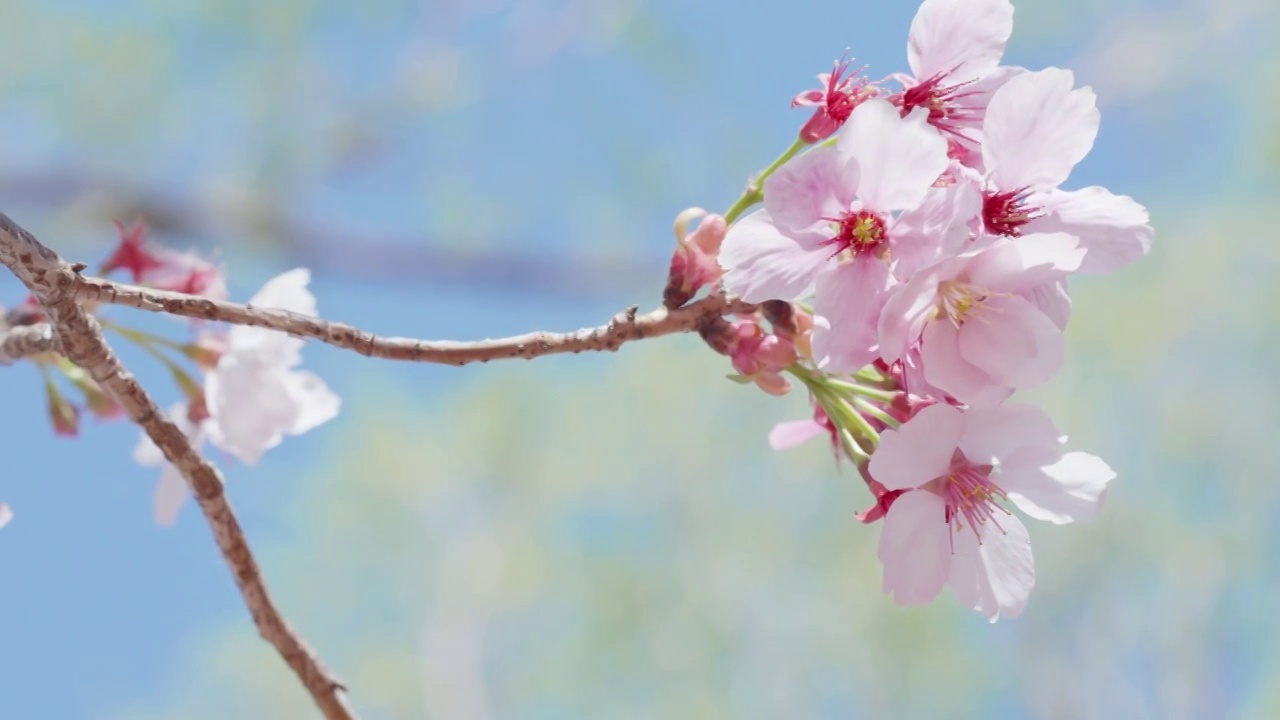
[693,264]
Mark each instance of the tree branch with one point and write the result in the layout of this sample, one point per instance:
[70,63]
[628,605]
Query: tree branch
[78,336]
[624,327]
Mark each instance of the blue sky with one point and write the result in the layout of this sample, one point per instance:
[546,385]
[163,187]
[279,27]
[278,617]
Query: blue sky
[585,156]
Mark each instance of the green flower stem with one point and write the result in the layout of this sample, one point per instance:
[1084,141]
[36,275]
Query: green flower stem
[852,425]
[887,396]
[755,193]
[877,413]
[141,337]
[148,342]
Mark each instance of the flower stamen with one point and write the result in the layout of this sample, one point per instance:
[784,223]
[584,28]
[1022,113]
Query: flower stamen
[861,232]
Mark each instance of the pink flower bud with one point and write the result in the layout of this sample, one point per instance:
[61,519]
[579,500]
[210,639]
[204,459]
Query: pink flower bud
[693,264]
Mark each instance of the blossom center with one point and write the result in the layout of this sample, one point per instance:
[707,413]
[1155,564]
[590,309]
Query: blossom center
[961,301]
[1003,213]
[971,497]
[947,112]
[861,232]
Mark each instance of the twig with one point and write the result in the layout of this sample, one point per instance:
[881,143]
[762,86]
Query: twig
[78,336]
[624,327]
[24,341]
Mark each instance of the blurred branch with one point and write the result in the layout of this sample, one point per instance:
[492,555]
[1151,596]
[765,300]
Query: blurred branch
[348,253]
[18,343]
[79,337]
[624,327]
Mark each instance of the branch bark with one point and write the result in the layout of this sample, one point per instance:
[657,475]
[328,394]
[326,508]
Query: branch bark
[624,327]
[77,335]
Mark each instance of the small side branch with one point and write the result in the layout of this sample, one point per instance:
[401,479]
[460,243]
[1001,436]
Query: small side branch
[25,341]
[625,327]
[78,336]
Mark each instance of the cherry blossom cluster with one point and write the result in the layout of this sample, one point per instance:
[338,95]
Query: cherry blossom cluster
[241,389]
[911,261]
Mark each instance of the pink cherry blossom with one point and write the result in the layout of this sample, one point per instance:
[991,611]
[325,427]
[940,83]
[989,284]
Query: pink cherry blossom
[950,527]
[837,222]
[1037,128]
[255,396]
[976,318]
[954,50]
[834,101]
[6,514]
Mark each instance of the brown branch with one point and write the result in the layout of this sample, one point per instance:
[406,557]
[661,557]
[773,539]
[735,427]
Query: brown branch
[78,336]
[24,341]
[624,327]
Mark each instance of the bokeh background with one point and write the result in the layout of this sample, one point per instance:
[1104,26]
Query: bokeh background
[610,536]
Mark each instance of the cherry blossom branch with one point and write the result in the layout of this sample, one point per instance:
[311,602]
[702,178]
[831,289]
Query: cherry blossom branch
[77,335]
[622,328]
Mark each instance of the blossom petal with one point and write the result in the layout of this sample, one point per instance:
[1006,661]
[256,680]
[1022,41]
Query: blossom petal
[898,158]
[1037,128]
[1052,300]
[946,369]
[994,577]
[846,310]
[1114,229]
[286,291]
[1013,343]
[1018,265]
[171,495]
[316,404]
[910,306]
[1055,487]
[250,406]
[810,189]
[914,548]
[762,263]
[963,39]
[994,433]
[920,450]
[6,514]
[935,229]
[793,433]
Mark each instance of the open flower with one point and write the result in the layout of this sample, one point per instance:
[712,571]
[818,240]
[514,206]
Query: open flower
[951,528]
[954,50]
[255,396]
[252,397]
[6,514]
[833,102]
[834,221]
[1037,128]
[978,319]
